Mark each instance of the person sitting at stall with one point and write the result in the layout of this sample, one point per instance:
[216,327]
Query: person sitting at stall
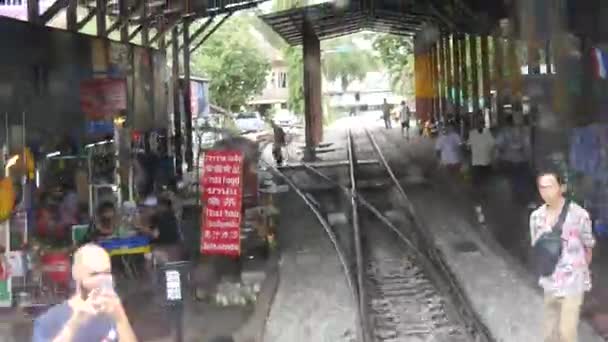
[160,224]
[105,223]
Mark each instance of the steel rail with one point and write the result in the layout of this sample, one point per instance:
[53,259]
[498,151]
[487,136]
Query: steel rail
[360,265]
[332,237]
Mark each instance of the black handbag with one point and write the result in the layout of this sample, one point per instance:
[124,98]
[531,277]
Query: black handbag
[548,248]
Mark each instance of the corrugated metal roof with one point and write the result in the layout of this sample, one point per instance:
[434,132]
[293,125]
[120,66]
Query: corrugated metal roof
[400,17]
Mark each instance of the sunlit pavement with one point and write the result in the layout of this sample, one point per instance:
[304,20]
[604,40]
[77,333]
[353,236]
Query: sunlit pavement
[365,119]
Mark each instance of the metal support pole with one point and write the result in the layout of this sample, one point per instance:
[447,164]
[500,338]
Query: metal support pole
[449,72]
[464,74]
[548,57]
[485,72]
[457,75]
[474,72]
[514,73]
[533,59]
[177,116]
[186,94]
[440,78]
[498,75]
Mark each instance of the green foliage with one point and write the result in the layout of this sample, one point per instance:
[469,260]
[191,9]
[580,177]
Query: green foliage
[397,55]
[344,61]
[235,67]
[295,78]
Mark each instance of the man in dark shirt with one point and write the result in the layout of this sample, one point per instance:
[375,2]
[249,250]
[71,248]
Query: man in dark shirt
[105,223]
[162,228]
[94,313]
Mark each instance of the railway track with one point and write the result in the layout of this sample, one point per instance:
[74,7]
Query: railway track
[402,290]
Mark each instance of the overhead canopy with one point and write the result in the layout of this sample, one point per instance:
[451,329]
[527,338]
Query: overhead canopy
[400,17]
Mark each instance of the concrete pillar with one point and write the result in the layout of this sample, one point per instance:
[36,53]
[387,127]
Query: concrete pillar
[186,94]
[485,72]
[177,116]
[474,72]
[313,111]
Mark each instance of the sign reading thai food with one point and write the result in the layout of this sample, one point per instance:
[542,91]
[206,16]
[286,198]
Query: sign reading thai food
[222,191]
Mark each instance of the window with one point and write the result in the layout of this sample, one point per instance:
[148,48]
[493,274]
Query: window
[11,2]
[282,80]
[272,79]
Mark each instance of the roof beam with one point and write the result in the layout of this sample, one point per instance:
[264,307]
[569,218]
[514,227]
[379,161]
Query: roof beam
[86,19]
[199,31]
[211,32]
[52,11]
[135,32]
[124,19]
[164,28]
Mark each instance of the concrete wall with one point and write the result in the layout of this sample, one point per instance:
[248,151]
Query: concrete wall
[41,70]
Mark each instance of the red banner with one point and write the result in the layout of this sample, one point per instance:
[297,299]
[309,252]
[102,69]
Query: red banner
[222,199]
[103,98]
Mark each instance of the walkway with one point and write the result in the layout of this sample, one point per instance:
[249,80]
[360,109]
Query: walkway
[313,302]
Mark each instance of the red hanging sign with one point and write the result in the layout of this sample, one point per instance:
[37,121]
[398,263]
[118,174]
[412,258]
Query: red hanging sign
[222,193]
[102,98]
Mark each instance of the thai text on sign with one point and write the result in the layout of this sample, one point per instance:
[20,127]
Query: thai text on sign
[221,187]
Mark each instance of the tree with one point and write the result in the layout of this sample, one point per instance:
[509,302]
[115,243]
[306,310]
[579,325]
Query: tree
[344,61]
[295,78]
[397,55]
[235,67]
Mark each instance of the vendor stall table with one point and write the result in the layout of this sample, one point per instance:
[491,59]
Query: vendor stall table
[125,248]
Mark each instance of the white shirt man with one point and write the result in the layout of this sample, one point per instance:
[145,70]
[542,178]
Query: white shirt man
[482,147]
[448,146]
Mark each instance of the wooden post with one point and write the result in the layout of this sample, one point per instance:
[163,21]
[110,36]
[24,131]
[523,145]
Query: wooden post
[177,117]
[100,17]
[71,15]
[186,94]
[33,12]
[123,15]
[313,111]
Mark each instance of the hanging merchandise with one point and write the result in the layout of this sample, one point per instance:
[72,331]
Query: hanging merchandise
[7,198]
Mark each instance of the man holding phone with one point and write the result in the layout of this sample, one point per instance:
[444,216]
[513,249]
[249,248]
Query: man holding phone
[94,313]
